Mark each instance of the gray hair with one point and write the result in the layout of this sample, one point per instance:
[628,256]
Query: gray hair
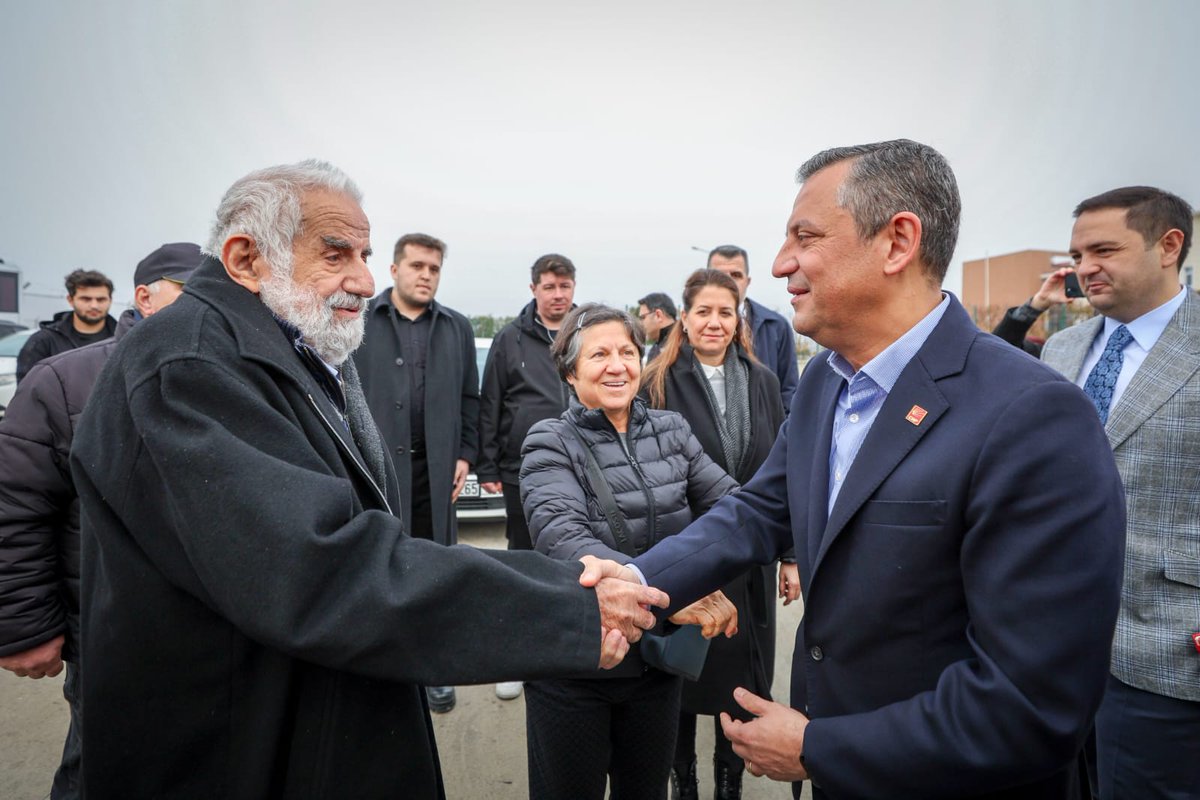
[265,205]
[569,341]
[901,175]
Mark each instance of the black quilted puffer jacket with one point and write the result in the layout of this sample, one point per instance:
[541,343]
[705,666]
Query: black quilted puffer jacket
[667,483]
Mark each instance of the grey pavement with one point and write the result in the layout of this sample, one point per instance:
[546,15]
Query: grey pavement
[481,742]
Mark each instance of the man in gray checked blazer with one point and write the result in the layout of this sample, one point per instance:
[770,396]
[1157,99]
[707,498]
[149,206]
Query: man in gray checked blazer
[1140,363]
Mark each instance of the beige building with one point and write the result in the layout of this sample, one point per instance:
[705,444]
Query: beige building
[1191,265]
[992,285]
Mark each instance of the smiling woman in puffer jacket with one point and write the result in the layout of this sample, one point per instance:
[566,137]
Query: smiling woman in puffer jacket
[620,724]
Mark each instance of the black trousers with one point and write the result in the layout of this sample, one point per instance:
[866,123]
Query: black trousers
[422,508]
[1147,745]
[66,778]
[685,745]
[581,732]
[516,529]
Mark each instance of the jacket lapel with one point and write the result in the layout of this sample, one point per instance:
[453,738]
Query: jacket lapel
[894,434]
[817,451]
[1069,358]
[1168,365]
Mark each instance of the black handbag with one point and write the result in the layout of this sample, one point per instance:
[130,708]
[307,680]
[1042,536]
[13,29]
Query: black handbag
[683,649]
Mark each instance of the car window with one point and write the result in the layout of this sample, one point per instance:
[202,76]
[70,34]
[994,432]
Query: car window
[482,347]
[11,345]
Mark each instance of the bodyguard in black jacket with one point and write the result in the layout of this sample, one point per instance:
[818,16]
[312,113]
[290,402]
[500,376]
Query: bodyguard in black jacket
[521,386]
[451,399]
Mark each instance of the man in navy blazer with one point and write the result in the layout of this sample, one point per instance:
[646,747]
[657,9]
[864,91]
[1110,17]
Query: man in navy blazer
[955,512]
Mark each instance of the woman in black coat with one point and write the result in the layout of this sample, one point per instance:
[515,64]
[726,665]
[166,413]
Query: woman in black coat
[615,726]
[707,372]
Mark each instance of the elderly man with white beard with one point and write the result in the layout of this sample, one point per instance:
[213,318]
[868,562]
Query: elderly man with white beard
[256,622]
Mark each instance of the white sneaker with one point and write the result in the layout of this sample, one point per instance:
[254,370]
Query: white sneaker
[509,690]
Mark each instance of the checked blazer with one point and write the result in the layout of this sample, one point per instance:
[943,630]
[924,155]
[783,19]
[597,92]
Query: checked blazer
[1154,431]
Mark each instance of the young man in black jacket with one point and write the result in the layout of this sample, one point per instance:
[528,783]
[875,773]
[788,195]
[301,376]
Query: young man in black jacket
[419,374]
[520,387]
[39,509]
[89,293]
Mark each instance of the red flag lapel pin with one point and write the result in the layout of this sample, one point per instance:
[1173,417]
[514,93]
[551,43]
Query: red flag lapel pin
[916,414]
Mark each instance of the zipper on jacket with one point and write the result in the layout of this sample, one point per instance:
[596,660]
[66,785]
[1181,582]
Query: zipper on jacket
[651,510]
[347,450]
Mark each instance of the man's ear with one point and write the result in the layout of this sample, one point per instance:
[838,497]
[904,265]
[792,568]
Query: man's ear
[902,238]
[141,299]
[1171,243]
[243,263]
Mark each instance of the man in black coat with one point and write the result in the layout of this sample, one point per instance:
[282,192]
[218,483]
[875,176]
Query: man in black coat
[257,623]
[771,334]
[39,510]
[89,293]
[419,374]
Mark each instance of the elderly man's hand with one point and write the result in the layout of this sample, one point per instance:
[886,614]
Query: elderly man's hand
[771,743]
[624,601]
[714,613]
[43,661]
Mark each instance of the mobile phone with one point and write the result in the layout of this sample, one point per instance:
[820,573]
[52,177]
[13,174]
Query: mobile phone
[1071,286]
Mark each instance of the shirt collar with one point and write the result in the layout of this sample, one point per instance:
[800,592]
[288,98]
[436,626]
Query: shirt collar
[304,348]
[885,368]
[1147,328]
[710,372]
[384,302]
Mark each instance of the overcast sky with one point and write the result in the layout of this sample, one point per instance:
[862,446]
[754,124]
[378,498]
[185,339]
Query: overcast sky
[621,134]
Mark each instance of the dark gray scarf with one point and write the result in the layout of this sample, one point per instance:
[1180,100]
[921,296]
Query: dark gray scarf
[734,425]
[362,425]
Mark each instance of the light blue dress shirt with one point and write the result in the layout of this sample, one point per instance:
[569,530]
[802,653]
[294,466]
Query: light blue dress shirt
[864,392]
[1145,331]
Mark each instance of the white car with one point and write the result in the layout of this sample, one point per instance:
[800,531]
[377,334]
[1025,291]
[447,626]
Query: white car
[476,504]
[10,346]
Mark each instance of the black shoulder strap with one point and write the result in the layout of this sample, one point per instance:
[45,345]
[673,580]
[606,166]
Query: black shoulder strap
[604,495]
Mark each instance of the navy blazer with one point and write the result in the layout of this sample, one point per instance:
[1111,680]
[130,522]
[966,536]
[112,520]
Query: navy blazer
[960,599]
[775,346]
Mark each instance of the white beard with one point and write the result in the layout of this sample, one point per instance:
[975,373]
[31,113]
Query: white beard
[333,339]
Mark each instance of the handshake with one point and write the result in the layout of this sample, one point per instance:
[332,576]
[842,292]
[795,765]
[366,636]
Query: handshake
[625,609]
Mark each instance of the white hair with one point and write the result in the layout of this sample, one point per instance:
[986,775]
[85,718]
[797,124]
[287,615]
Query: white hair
[265,205]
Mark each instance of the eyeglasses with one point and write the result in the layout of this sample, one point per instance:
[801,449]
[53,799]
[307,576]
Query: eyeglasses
[642,317]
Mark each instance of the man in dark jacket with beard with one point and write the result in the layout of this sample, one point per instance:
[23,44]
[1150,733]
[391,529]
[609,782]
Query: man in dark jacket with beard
[89,293]
[257,623]
[39,510]
[418,370]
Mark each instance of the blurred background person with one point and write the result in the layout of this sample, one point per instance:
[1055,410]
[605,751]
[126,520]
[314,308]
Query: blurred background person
[772,336]
[89,294]
[657,313]
[707,372]
[620,724]
[419,375]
